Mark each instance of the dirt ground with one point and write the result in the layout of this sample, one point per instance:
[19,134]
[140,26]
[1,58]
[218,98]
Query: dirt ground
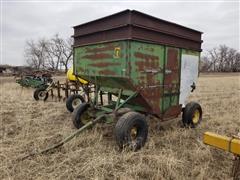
[171,152]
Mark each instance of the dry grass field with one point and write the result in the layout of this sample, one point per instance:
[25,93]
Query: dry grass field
[171,152]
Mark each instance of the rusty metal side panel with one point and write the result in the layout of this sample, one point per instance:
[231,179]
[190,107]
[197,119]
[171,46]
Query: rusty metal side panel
[170,105]
[106,59]
[146,64]
[104,63]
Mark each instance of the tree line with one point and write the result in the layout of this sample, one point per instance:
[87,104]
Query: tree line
[52,54]
[56,53]
[221,59]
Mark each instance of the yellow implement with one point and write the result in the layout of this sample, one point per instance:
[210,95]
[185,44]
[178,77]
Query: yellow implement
[72,77]
[231,144]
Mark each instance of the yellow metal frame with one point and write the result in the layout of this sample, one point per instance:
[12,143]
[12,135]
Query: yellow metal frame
[230,144]
[71,77]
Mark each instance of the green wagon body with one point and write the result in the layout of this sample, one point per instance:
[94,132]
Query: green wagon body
[118,52]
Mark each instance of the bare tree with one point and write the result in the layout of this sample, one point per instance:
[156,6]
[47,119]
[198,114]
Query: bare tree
[54,52]
[205,64]
[221,59]
[67,53]
[49,53]
[35,53]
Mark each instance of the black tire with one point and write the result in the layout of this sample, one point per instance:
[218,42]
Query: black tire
[72,101]
[124,127]
[40,94]
[190,117]
[77,115]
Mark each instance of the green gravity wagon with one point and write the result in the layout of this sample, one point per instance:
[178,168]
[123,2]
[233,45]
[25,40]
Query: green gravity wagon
[140,66]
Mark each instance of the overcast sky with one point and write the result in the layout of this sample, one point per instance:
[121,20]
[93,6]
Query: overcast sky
[22,21]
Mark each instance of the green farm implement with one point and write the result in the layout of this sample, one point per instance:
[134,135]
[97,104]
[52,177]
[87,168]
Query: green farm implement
[34,81]
[72,89]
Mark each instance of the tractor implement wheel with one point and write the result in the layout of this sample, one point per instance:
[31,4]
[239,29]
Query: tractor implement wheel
[80,115]
[192,114]
[131,131]
[74,101]
[40,94]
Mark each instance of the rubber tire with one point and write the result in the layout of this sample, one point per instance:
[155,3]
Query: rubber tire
[76,115]
[188,112]
[70,100]
[37,91]
[124,125]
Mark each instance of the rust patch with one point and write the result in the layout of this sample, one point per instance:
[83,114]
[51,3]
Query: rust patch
[107,72]
[100,49]
[149,61]
[104,64]
[172,57]
[97,56]
[145,56]
[172,65]
[153,96]
[173,111]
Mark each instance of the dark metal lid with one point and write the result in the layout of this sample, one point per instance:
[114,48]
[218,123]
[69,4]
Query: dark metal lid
[131,24]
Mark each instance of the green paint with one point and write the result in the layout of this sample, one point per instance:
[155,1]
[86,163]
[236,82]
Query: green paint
[150,51]
[131,66]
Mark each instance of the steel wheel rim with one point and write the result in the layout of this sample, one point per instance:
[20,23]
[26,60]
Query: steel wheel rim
[76,103]
[41,95]
[196,116]
[133,133]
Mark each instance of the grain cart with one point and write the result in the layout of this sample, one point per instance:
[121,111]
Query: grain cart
[140,66]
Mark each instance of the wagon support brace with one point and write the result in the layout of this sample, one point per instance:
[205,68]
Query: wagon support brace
[119,105]
[67,139]
[86,126]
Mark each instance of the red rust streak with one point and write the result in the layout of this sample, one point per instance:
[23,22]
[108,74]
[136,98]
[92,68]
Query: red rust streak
[172,64]
[104,64]
[173,111]
[145,56]
[100,49]
[98,56]
[149,61]
[107,72]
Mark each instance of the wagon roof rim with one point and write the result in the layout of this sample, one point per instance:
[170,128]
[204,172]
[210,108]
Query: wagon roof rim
[138,12]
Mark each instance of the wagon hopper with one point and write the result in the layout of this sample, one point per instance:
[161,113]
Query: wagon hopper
[149,64]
